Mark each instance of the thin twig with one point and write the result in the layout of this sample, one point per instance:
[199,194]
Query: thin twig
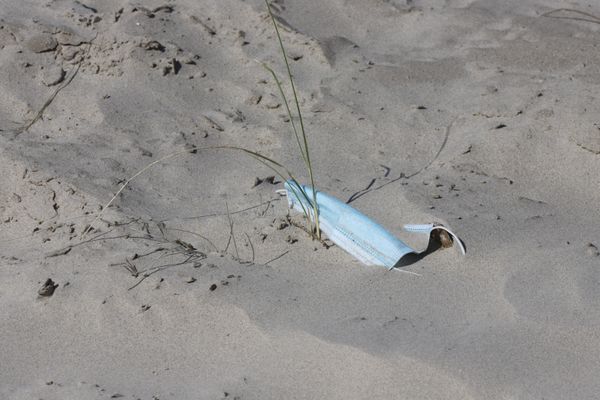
[163,229]
[138,256]
[251,246]
[114,238]
[595,19]
[129,266]
[231,233]
[228,243]
[360,192]
[157,269]
[196,234]
[95,238]
[40,112]
[231,213]
[266,208]
[276,258]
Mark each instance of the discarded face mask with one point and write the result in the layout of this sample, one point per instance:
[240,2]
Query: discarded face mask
[360,236]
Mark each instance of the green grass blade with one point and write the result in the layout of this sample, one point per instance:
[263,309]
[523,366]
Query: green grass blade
[289,112]
[306,153]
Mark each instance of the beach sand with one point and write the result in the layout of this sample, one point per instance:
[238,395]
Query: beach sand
[482,115]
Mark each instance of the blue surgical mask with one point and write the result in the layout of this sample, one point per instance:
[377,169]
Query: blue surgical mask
[356,233]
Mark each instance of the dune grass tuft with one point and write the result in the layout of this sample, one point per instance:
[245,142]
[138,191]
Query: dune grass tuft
[302,144]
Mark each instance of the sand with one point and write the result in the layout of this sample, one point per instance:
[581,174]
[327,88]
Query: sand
[482,115]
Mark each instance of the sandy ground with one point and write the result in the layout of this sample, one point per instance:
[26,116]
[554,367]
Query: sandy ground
[489,107]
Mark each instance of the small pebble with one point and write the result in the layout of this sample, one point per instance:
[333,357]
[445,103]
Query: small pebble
[254,100]
[282,225]
[153,45]
[190,279]
[212,287]
[291,240]
[257,181]
[47,288]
